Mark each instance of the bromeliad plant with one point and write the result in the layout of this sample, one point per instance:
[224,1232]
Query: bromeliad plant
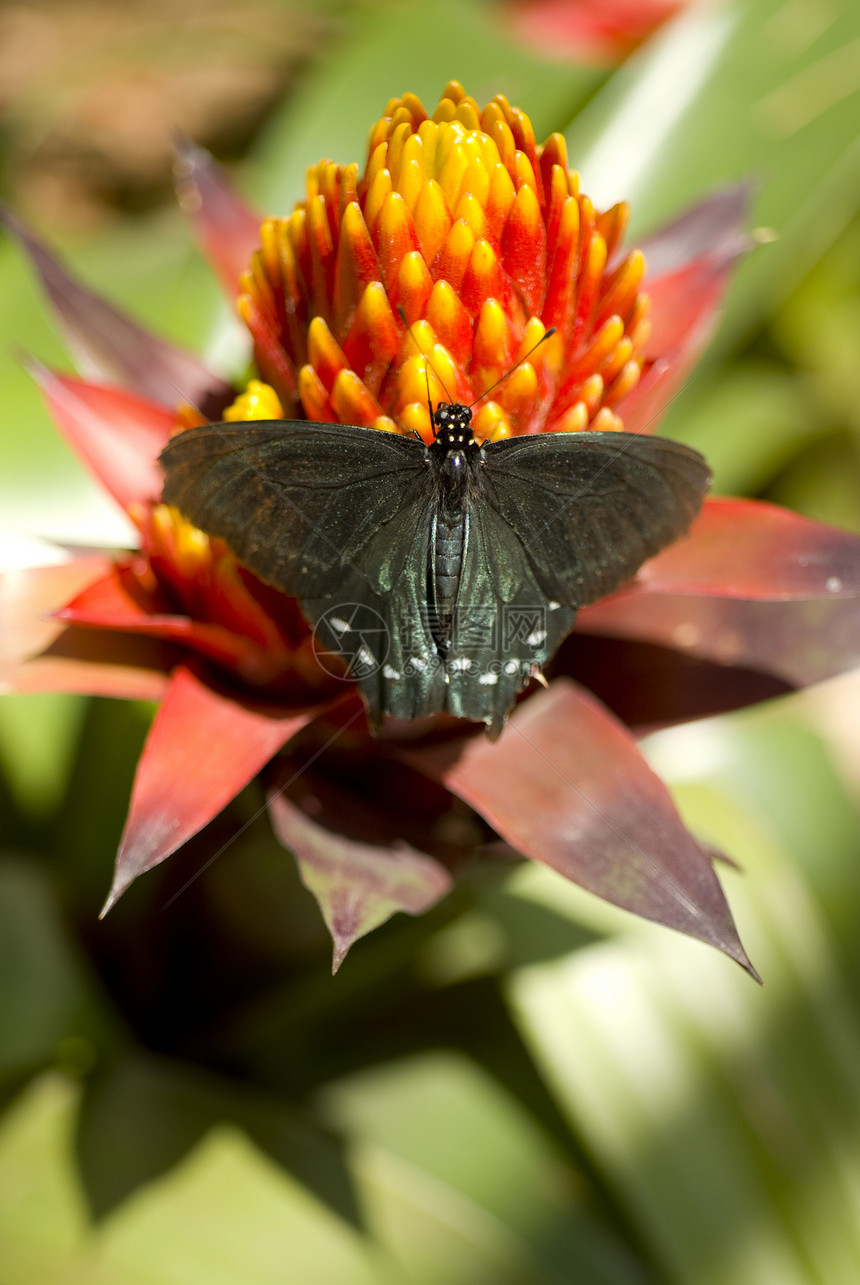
[484,241]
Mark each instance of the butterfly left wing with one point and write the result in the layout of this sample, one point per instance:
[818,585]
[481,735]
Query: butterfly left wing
[503,628]
[298,502]
[589,508]
[386,635]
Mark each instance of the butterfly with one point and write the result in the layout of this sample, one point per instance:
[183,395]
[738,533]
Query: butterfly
[444,576]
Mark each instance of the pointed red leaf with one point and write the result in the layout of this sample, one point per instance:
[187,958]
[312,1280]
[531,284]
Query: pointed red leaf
[358,883]
[118,601]
[714,227]
[751,549]
[752,585]
[28,597]
[690,264]
[93,663]
[800,641]
[228,228]
[106,343]
[566,785]
[648,686]
[203,748]
[39,654]
[117,434]
[583,31]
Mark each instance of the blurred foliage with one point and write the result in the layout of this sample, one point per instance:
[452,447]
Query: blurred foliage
[524,1085]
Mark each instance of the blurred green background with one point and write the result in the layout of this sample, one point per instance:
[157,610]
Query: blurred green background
[525,1085]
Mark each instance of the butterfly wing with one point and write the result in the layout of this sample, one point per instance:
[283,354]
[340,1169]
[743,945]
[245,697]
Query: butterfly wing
[562,520]
[342,517]
[338,516]
[297,502]
[504,628]
[386,635]
[589,508]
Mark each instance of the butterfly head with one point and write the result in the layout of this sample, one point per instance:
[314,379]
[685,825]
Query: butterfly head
[452,426]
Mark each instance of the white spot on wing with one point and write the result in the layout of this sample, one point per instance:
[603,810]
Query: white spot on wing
[389,672]
[488,680]
[340,625]
[535,639]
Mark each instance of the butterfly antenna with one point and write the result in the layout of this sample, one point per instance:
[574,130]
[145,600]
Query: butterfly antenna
[428,363]
[548,335]
[427,382]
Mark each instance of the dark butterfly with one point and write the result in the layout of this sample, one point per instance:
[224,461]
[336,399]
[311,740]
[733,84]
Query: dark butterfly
[444,575]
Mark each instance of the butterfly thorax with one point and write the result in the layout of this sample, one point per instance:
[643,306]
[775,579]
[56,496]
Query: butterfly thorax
[455,455]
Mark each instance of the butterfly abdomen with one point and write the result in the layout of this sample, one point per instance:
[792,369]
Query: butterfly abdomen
[456,457]
[449,538]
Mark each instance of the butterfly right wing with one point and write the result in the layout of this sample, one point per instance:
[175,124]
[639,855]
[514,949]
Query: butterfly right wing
[505,629]
[588,508]
[297,502]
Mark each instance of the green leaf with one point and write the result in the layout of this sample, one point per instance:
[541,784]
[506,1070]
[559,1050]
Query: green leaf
[823,483]
[749,422]
[749,87]
[43,991]
[438,1128]
[726,1118]
[38,735]
[228,1216]
[141,1116]
[93,810]
[42,1216]
[225,1216]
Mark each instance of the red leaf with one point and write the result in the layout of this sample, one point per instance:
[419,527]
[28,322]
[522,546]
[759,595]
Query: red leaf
[751,585]
[202,749]
[117,434]
[227,227]
[109,345]
[648,686]
[118,601]
[750,549]
[711,229]
[358,883]
[38,654]
[581,30]
[566,785]
[690,263]
[28,596]
[801,642]
[93,663]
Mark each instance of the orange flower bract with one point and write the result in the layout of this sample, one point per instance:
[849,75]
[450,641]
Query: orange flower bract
[483,239]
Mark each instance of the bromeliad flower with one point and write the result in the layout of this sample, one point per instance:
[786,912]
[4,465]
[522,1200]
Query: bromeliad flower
[587,32]
[485,241]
